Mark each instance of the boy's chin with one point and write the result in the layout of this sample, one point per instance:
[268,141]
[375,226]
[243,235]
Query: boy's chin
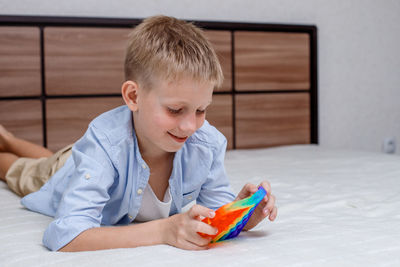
[173,149]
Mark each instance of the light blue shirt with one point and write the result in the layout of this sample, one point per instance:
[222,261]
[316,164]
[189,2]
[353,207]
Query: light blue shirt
[102,182]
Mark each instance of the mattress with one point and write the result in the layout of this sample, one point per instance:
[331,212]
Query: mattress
[335,208]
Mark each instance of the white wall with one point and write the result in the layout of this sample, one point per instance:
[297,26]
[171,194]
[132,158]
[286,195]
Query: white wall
[359,59]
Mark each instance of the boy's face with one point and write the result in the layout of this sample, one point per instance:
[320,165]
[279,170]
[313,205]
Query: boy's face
[169,113]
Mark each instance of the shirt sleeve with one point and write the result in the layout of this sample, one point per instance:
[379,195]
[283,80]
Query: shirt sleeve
[86,194]
[216,191]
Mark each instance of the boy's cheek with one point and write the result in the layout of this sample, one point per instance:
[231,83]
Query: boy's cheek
[164,121]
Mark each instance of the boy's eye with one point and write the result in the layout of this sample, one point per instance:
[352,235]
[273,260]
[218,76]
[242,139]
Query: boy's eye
[174,111]
[178,111]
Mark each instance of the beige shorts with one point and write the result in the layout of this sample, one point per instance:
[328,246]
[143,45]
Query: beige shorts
[27,175]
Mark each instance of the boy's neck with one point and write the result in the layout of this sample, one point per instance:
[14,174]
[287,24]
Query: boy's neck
[155,157]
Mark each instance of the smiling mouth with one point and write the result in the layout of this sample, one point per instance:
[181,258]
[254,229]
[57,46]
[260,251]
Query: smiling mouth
[178,139]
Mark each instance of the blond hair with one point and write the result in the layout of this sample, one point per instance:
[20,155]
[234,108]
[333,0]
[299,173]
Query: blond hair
[167,48]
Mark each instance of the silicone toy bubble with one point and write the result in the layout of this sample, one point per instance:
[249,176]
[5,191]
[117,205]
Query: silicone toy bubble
[232,217]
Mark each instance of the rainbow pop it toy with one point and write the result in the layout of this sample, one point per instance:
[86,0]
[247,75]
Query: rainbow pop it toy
[232,217]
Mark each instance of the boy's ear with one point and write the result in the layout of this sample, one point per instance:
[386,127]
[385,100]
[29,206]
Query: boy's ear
[130,91]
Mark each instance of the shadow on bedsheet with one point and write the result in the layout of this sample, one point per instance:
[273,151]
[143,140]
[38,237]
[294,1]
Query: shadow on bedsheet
[243,235]
[253,234]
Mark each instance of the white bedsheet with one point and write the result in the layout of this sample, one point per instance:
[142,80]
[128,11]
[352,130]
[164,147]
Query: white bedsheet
[336,208]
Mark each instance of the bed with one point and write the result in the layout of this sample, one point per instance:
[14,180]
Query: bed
[336,207]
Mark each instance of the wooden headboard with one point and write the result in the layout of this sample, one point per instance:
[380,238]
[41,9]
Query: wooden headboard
[58,73]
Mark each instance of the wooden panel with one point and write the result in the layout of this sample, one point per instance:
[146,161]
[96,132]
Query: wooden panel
[272,61]
[23,118]
[68,119]
[219,114]
[19,61]
[264,120]
[221,40]
[84,60]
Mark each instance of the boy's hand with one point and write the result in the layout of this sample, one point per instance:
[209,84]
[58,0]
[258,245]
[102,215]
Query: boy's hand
[182,229]
[264,209]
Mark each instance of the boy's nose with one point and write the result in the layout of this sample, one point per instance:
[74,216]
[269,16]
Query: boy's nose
[188,124]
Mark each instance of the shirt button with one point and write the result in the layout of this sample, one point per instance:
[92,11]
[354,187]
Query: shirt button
[87,176]
[144,166]
[140,191]
[130,217]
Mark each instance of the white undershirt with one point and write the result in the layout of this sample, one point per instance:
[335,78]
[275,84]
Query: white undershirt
[152,208]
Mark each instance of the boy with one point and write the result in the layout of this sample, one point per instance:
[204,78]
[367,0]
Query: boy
[140,162]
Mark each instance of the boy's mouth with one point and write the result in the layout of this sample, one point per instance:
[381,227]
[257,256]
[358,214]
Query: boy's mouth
[177,138]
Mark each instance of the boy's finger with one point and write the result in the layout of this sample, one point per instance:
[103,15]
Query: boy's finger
[246,191]
[274,213]
[198,211]
[204,228]
[270,204]
[192,246]
[262,205]
[200,241]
